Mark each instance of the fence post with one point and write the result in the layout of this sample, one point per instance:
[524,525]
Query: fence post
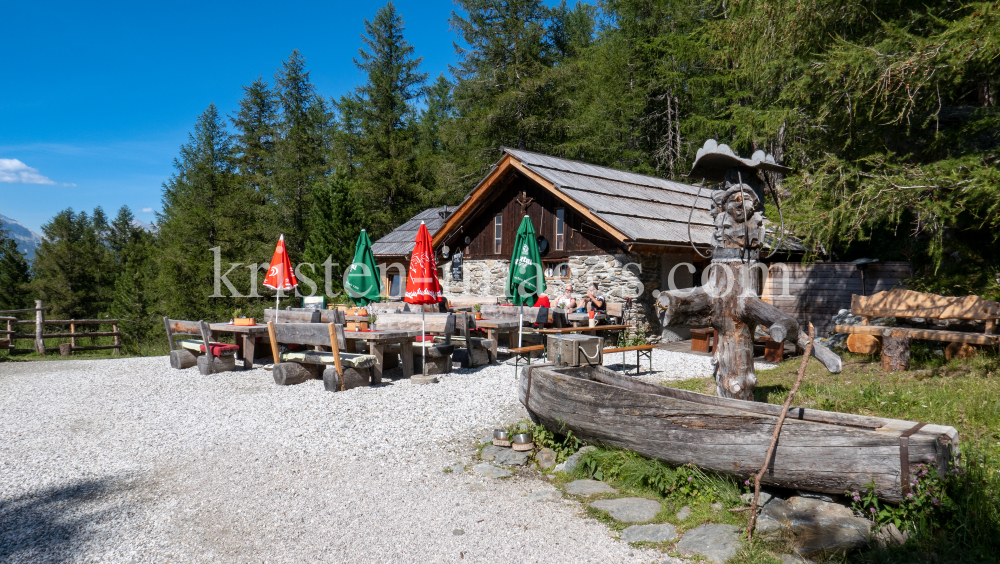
[39,322]
[118,349]
[72,334]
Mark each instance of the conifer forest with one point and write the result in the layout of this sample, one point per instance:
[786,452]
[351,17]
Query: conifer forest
[887,112]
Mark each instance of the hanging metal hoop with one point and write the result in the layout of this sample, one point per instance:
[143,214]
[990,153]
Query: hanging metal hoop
[781,217]
[690,215]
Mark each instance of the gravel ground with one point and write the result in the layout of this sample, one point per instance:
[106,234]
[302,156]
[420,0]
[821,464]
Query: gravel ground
[127,460]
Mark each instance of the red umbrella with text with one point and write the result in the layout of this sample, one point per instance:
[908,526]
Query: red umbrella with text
[422,285]
[281,275]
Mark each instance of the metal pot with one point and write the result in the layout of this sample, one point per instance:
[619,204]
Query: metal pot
[500,435]
[522,438]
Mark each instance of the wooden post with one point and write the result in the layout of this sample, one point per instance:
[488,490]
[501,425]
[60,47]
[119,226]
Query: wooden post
[895,351]
[39,323]
[72,330]
[118,344]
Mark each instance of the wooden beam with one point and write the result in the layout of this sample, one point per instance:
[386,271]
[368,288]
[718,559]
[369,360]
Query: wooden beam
[924,334]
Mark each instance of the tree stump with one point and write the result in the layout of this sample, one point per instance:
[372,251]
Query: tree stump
[182,358]
[895,351]
[959,350]
[65,349]
[217,364]
[353,378]
[289,373]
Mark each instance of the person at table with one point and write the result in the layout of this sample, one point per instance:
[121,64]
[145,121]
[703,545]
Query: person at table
[566,300]
[594,300]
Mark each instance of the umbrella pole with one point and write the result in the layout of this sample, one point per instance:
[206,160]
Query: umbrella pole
[520,331]
[278,293]
[423,338]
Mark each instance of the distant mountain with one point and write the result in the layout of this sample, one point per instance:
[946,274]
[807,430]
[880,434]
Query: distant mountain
[27,240]
[144,226]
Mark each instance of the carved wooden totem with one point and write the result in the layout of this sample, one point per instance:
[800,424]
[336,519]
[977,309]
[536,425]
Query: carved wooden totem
[730,301]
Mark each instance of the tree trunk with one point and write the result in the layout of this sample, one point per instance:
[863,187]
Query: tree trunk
[181,359]
[895,351]
[288,373]
[733,358]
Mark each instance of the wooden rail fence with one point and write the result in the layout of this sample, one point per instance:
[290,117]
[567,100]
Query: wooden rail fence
[11,334]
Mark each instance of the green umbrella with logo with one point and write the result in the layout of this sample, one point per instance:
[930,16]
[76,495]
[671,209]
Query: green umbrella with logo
[525,278]
[362,282]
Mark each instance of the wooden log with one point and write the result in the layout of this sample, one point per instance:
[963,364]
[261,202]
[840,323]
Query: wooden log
[68,321]
[781,326]
[733,358]
[212,365]
[435,364]
[353,378]
[39,324]
[117,336]
[895,350]
[71,336]
[958,350]
[289,373]
[4,343]
[182,358]
[863,344]
[65,349]
[924,334]
[72,333]
[825,356]
[95,348]
[690,307]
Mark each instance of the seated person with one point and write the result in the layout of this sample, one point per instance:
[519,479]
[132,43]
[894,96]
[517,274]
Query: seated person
[566,301]
[595,301]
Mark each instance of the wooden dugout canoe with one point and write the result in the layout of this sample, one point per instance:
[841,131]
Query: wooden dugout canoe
[819,451]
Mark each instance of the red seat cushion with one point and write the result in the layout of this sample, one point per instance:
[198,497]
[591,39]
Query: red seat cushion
[422,338]
[219,349]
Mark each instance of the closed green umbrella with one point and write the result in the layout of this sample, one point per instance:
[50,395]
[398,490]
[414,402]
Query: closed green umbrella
[362,282]
[525,278]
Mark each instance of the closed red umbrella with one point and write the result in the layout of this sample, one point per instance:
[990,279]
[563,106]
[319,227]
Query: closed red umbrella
[422,284]
[281,275]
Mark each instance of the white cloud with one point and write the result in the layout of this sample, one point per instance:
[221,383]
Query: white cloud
[14,171]
[146,210]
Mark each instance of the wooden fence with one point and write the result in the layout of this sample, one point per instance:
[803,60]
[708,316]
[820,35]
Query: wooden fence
[817,292]
[12,333]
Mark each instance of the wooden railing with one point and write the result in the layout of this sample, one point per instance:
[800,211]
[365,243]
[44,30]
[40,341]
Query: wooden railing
[11,334]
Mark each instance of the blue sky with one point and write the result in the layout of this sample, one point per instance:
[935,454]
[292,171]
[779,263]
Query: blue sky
[99,96]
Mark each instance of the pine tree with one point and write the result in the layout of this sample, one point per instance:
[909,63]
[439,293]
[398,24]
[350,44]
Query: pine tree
[437,158]
[68,266]
[132,300]
[14,275]
[334,227]
[198,210]
[300,152]
[387,177]
[256,132]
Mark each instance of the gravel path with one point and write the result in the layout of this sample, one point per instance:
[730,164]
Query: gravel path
[130,461]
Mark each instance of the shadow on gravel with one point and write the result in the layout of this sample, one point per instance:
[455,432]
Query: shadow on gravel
[49,526]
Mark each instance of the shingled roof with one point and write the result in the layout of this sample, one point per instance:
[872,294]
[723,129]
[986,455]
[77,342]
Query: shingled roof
[400,241]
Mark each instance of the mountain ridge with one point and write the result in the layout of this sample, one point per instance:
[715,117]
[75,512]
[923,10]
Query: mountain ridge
[27,240]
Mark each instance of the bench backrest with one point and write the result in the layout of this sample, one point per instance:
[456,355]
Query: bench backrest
[293,316]
[443,323]
[303,333]
[332,316]
[182,327]
[907,303]
[615,309]
[512,313]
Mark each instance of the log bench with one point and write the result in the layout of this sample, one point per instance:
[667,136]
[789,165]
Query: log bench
[895,341]
[340,370]
[436,325]
[188,352]
[470,351]
[640,350]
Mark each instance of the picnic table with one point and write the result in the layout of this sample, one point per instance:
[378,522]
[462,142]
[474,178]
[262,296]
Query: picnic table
[591,330]
[496,327]
[377,341]
[580,319]
[245,337]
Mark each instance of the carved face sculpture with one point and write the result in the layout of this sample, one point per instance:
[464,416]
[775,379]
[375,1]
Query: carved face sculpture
[738,216]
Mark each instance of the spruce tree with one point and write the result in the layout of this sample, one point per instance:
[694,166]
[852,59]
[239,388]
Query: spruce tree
[14,275]
[333,229]
[387,177]
[254,141]
[68,266]
[300,152]
[132,300]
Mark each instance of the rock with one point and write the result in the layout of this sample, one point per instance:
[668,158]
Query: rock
[588,487]
[890,535]
[717,543]
[684,513]
[486,439]
[490,471]
[650,533]
[546,458]
[455,468]
[570,464]
[457,532]
[815,526]
[762,499]
[505,456]
[629,509]
[551,495]
[815,495]
[716,507]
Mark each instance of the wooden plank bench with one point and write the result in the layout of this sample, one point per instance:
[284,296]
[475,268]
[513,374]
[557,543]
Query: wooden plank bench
[436,325]
[470,351]
[188,352]
[525,353]
[342,371]
[895,341]
[640,350]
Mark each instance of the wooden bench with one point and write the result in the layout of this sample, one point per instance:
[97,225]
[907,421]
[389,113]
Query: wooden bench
[188,352]
[640,350]
[343,370]
[436,325]
[470,351]
[895,341]
[525,353]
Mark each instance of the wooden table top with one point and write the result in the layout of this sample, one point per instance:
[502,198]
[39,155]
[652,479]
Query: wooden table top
[496,324]
[583,329]
[229,327]
[585,316]
[384,336]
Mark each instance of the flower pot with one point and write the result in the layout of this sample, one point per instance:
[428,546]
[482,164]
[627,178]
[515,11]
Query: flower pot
[244,321]
[363,311]
[479,315]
